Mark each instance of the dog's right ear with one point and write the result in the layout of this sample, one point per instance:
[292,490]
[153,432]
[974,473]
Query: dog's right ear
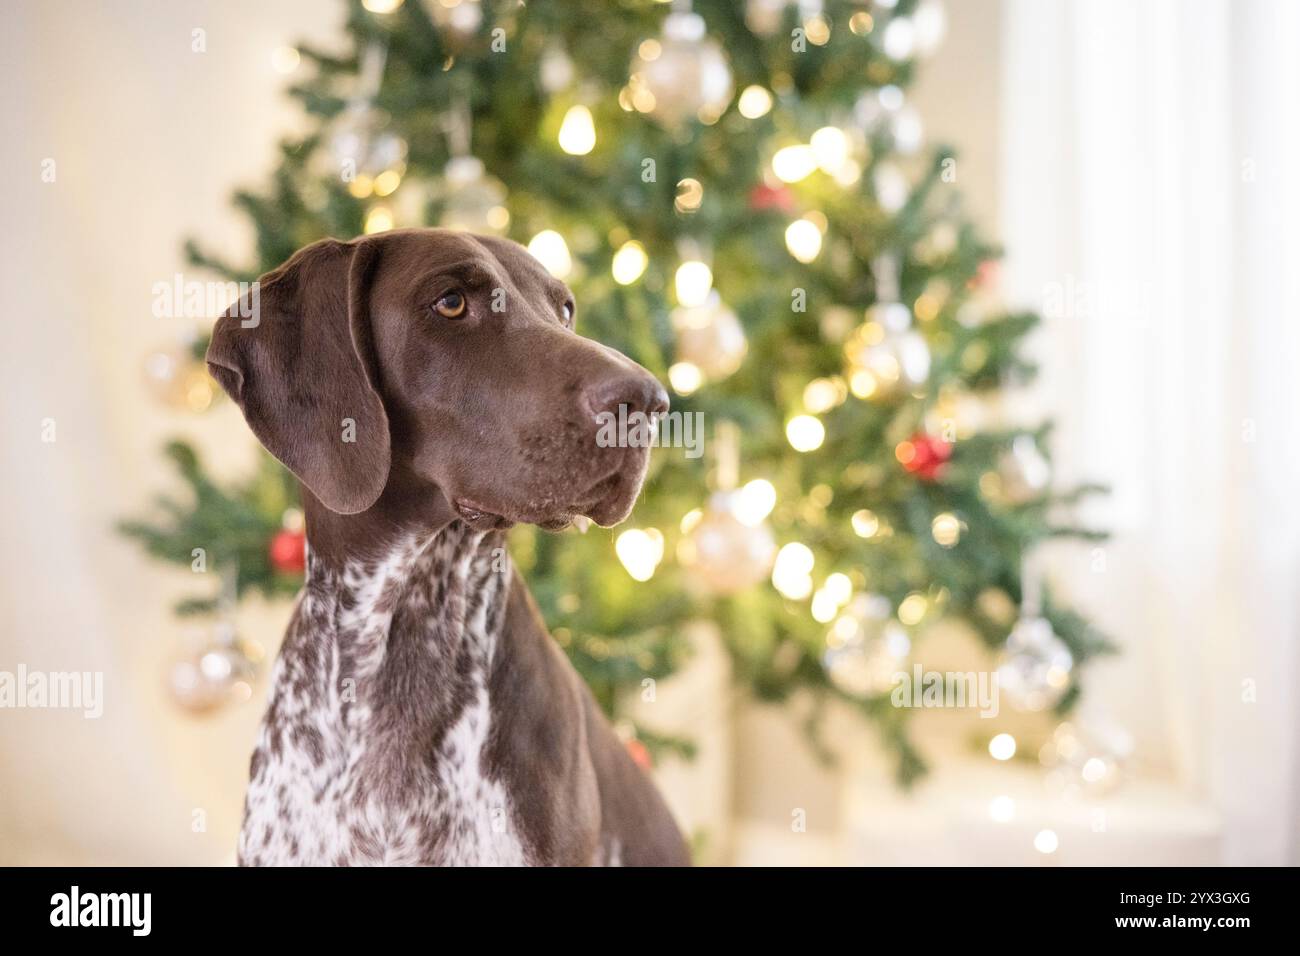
[296,355]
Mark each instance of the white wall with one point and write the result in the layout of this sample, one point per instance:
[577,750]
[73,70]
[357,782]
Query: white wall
[148,138]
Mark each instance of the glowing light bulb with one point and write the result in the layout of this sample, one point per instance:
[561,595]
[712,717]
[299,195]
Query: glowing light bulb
[640,551]
[693,280]
[839,587]
[831,147]
[912,609]
[1002,747]
[629,263]
[793,163]
[1046,842]
[549,248]
[824,607]
[754,102]
[900,38]
[381,6]
[792,571]
[1002,809]
[754,502]
[685,377]
[865,523]
[379,219]
[805,433]
[946,529]
[823,394]
[803,239]
[577,132]
[285,59]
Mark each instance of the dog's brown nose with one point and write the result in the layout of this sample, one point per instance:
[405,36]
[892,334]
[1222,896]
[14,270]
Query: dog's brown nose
[640,392]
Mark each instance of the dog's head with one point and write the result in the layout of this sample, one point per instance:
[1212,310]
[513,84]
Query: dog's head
[450,356]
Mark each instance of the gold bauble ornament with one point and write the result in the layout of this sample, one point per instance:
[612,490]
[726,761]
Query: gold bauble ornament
[178,377]
[723,553]
[886,355]
[710,337]
[472,200]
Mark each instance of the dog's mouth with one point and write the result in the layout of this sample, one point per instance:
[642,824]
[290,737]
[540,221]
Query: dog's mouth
[605,502]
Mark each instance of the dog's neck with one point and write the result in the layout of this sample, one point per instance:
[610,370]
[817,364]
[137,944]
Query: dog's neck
[405,568]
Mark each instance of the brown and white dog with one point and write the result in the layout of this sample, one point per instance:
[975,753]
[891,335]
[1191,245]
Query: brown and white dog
[428,390]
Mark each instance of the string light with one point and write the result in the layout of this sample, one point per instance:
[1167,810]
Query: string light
[792,571]
[577,132]
[946,529]
[912,610]
[793,163]
[824,607]
[861,23]
[1002,747]
[862,383]
[839,587]
[805,433]
[640,551]
[690,193]
[381,6]
[823,394]
[1002,809]
[379,219]
[803,239]
[685,377]
[900,38]
[817,30]
[386,183]
[285,59]
[754,502]
[755,101]
[361,186]
[549,248]
[629,262]
[865,523]
[831,147]
[693,280]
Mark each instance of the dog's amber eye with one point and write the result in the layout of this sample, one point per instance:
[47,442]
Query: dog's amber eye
[451,305]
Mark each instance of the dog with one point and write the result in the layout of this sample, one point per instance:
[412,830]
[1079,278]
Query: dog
[428,390]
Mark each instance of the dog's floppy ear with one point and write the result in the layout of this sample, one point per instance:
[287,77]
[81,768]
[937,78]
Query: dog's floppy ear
[297,356]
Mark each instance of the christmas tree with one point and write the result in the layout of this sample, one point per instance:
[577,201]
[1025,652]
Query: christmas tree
[742,200]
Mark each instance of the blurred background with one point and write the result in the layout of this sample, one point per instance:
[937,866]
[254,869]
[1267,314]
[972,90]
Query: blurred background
[1133,161]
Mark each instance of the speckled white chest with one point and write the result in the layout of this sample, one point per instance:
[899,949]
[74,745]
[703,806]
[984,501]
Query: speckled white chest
[373,753]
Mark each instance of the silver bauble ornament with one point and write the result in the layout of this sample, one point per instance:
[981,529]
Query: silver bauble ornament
[886,346]
[1034,669]
[866,647]
[710,337]
[722,553]
[1087,756]
[1024,472]
[472,200]
[689,78]
[221,672]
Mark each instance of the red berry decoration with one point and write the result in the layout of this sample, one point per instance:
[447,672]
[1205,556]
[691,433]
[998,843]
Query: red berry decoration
[640,755]
[987,275]
[763,197]
[288,552]
[925,456]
